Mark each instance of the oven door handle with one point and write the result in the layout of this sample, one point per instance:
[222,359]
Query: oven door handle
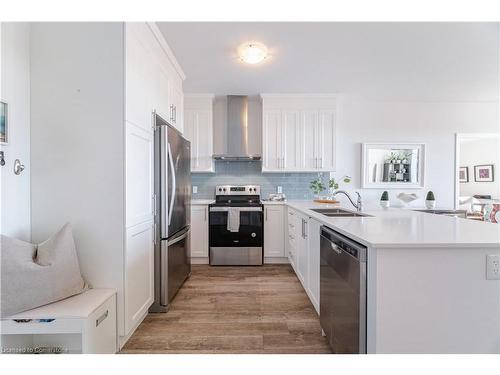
[242,209]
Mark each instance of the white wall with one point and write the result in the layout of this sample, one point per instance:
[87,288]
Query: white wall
[77,143]
[480,152]
[15,90]
[433,123]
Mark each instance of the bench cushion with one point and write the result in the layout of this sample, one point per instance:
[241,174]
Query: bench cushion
[36,275]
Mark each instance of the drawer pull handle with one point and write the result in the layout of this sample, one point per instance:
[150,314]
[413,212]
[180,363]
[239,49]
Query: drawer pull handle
[101,318]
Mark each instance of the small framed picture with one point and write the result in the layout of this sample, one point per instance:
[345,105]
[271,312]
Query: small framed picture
[4,123]
[484,173]
[463,174]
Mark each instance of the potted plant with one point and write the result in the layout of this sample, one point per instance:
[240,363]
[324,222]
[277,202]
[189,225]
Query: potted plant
[334,185]
[384,199]
[317,186]
[430,201]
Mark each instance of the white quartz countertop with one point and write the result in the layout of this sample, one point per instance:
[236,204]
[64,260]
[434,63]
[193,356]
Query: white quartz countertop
[396,227]
[202,202]
[273,202]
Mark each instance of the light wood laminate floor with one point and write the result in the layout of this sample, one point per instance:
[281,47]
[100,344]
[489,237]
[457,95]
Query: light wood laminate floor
[234,310]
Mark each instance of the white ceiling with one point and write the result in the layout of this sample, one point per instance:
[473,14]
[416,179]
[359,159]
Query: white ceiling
[411,61]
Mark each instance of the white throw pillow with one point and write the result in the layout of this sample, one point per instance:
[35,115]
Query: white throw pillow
[36,275]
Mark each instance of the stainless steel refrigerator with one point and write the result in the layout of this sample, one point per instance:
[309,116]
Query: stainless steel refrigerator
[172,212]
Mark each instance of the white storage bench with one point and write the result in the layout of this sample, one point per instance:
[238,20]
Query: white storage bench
[85,323]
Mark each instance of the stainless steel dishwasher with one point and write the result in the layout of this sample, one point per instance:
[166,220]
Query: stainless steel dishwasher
[343,292]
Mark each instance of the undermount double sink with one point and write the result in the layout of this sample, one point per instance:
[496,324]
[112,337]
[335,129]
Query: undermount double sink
[338,212]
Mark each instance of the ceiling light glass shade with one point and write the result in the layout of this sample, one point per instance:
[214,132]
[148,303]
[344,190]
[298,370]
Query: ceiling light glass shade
[252,53]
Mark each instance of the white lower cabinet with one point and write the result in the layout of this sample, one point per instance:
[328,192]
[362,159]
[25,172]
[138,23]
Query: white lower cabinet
[313,261]
[292,237]
[199,231]
[139,273]
[303,250]
[302,244]
[274,225]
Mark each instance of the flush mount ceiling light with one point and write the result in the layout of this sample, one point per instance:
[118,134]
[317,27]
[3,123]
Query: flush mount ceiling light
[252,53]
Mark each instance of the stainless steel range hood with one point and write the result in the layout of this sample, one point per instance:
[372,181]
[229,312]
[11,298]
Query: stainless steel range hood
[237,139]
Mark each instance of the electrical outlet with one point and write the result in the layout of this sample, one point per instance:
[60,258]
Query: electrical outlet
[492,267]
[280,190]
[195,189]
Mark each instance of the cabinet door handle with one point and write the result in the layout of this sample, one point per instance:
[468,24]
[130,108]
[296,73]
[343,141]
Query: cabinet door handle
[205,210]
[101,318]
[266,213]
[321,163]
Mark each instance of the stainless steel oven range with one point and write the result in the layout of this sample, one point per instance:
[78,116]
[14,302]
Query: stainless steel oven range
[236,231]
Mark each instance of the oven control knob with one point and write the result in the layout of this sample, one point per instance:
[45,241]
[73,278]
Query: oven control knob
[224,189]
[253,235]
[220,189]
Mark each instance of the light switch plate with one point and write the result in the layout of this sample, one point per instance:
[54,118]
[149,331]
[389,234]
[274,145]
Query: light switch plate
[493,267]
[195,189]
[279,190]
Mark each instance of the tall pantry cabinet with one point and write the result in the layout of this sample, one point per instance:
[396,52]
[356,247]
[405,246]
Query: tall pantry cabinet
[94,87]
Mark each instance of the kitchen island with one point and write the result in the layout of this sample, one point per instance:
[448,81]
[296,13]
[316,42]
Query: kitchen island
[426,284]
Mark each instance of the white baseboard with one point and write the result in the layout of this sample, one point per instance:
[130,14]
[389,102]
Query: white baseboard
[203,260]
[276,260]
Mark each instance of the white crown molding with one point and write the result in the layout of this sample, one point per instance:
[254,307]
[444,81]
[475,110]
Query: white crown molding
[168,51]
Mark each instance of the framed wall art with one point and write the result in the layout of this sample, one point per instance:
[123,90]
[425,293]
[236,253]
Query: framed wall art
[463,175]
[4,123]
[484,173]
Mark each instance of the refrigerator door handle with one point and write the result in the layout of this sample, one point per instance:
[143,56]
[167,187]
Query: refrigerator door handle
[180,238]
[174,185]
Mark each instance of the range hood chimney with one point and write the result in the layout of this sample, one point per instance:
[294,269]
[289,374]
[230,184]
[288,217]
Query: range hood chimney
[237,140]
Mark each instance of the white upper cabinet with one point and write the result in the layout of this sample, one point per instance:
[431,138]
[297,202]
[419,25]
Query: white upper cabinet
[298,133]
[153,77]
[271,142]
[292,140]
[176,105]
[198,129]
[326,140]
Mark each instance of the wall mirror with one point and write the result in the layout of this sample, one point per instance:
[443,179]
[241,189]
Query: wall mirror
[396,166]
